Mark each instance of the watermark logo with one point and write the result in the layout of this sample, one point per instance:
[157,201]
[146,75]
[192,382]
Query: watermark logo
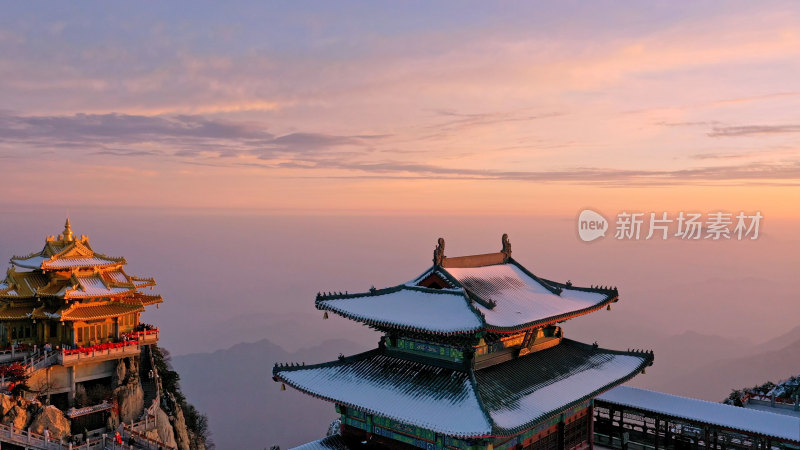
[685,225]
[591,225]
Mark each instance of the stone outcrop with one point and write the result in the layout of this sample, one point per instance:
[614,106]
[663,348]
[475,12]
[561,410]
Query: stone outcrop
[179,425]
[17,416]
[52,419]
[130,398]
[6,403]
[23,414]
[163,430]
[119,374]
[128,390]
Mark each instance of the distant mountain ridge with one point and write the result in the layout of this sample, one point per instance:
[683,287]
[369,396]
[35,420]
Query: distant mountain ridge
[779,342]
[681,354]
[773,360]
[245,408]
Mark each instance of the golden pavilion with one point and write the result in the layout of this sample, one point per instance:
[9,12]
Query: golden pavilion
[67,295]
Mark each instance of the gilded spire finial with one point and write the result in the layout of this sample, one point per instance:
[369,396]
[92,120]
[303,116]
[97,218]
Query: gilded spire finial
[67,231]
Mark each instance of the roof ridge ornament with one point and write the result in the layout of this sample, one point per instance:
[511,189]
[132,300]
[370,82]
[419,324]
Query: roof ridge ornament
[506,247]
[67,234]
[438,253]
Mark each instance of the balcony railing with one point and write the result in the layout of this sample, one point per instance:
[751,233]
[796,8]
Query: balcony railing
[111,350]
[13,353]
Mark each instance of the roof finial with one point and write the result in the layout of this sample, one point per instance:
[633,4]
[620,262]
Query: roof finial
[438,253]
[67,231]
[506,246]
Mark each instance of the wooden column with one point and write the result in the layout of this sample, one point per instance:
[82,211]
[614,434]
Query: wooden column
[591,424]
[656,434]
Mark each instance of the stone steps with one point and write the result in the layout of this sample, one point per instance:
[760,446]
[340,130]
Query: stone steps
[148,384]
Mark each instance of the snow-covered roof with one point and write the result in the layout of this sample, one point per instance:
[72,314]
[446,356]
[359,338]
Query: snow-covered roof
[94,312]
[64,263]
[501,293]
[415,308]
[93,286]
[728,416]
[497,297]
[434,398]
[502,400]
[31,262]
[334,442]
[514,393]
[518,297]
[68,268]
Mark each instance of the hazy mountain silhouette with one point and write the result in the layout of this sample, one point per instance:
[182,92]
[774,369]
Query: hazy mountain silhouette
[245,408]
[715,380]
[291,332]
[779,342]
[679,355]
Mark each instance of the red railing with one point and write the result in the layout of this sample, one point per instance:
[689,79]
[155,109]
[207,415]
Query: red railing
[766,398]
[135,335]
[99,347]
[131,338]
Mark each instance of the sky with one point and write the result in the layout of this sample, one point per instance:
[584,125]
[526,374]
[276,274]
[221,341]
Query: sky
[251,154]
[530,108]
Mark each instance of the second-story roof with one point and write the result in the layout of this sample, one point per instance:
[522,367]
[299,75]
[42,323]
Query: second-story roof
[500,400]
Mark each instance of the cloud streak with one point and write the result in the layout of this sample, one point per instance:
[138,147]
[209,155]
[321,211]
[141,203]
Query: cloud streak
[182,135]
[125,128]
[740,174]
[752,130]
[213,142]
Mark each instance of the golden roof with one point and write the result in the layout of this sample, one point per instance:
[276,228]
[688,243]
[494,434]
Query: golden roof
[81,311]
[78,311]
[147,300]
[68,267]
[43,312]
[66,252]
[22,284]
[15,312]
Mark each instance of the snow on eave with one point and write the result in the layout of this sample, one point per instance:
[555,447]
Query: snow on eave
[717,414]
[281,373]
[552,319]
[614,364]
[531,302]
[470,320]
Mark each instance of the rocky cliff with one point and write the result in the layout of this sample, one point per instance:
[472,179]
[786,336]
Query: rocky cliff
[143,386]
[22,414]
[170,425]
[190,428]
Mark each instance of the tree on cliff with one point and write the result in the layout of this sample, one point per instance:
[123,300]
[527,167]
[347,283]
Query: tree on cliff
[196,422]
